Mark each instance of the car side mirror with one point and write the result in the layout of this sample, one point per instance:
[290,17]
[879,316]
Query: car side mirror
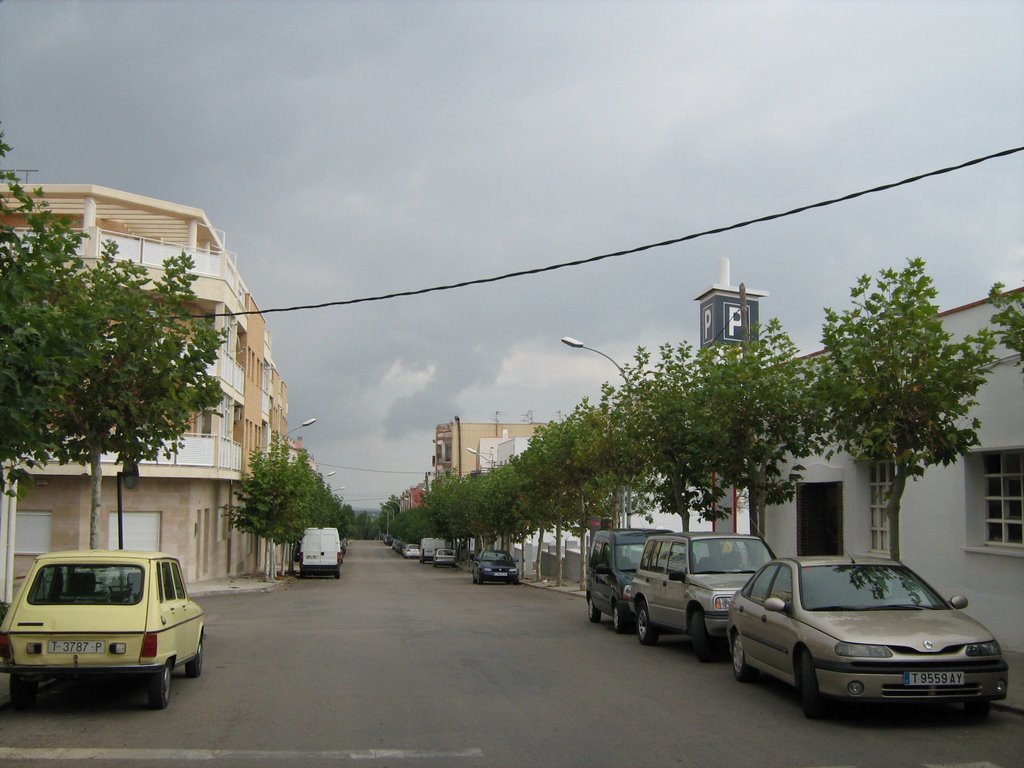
[958,601]
[602,568]
[677,576]
[775,605]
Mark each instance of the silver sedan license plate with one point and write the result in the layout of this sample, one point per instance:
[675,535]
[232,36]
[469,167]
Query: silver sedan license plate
[939,679]
[77,646]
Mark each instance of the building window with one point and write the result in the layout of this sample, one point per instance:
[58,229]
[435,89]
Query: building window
[881,486]
[1004,497]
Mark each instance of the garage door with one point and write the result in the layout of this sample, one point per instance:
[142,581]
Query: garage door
[141,531]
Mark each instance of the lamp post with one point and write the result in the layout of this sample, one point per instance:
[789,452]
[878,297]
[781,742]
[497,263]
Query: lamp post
[569,341]
[490,458]
[306,423]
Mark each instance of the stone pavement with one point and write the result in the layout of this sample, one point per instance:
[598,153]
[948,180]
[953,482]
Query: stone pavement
[1014,701]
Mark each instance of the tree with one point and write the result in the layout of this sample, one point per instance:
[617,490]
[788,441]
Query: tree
[756,413]
[46,339]
[273,497]
[666,424]
[1009,318]
[146,375]
[895,387]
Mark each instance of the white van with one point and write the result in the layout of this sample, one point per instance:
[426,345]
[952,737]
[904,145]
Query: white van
[320,553]
[427,547]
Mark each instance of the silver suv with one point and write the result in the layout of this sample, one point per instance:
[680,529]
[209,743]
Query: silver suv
[685,583]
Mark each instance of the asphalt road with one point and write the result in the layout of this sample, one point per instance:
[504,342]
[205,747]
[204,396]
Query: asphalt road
[400,664]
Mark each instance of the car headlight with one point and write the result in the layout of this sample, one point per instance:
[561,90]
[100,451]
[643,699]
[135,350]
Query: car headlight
[722,602]
[860,650]
[513,571]
[991,648]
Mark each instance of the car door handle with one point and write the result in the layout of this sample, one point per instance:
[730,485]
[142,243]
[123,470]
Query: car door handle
[764,618]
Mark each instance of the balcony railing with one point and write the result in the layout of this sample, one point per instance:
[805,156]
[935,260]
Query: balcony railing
[153,253]
[209,451]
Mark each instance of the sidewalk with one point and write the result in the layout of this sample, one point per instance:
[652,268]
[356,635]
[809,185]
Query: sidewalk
[1014,701]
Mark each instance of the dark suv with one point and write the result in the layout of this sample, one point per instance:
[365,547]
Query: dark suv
[614,556]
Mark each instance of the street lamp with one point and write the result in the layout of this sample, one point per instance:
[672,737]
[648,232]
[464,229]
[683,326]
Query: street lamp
[569,341]
[489,458]
[306,423]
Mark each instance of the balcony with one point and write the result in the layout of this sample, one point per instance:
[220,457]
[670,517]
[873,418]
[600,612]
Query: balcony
[209,451]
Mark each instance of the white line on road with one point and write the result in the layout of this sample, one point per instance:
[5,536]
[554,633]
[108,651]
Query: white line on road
[194,755]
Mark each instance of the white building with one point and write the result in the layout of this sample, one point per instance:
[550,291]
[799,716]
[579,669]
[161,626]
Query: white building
[961,525]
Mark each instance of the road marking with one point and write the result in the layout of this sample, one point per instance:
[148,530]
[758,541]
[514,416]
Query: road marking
[961,765]
[195,755]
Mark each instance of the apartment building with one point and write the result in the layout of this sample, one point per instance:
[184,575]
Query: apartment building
[465,448]
[180,505]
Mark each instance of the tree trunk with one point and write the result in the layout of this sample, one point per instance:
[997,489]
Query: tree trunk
[558,553]
[583,543]
[539,560]
[755,500]
[96,470]
[892,510]
[681,508]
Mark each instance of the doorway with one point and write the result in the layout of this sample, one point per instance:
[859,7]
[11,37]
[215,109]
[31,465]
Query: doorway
[819,519]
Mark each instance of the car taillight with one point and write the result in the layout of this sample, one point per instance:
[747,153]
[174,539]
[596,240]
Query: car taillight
[5,646]
[149,644]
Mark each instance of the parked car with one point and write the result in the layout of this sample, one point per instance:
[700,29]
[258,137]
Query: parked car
[411,550]
[101,612]
[862,630]
[614,557]
[685,583]
[494,565]
[320,553]
[444,557]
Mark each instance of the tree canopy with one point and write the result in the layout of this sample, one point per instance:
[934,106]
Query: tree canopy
[895,386]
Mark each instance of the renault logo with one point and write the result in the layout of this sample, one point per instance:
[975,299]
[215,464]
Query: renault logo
[927,645]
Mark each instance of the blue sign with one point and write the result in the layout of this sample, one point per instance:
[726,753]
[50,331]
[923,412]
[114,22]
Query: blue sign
[721,319]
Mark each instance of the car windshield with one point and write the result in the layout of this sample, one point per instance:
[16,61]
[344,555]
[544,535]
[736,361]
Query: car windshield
[727,555]
[496,557]
[628,555]
[864,587]
[87,584]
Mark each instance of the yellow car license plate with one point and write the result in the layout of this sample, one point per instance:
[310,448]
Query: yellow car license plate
[77,646]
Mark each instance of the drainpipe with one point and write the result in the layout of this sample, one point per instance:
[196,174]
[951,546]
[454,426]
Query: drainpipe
[458,432]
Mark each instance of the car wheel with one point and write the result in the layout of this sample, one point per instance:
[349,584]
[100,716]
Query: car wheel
[646,632]
[702,647]
[194,666]
[592,613]
[619,621]
[159,687]
[23,692]
[977,708]
[810,698]
[515,582]
[337,572]
[740,669]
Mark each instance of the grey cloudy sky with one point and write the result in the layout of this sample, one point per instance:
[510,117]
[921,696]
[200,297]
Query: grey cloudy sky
[350,149]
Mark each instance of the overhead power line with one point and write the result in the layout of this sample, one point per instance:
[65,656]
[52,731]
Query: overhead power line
[380,471]
[638,249]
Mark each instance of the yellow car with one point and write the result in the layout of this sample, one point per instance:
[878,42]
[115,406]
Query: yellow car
[100,612]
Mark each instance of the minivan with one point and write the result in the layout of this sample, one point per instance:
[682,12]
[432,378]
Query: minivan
[614,556]
[320,553]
